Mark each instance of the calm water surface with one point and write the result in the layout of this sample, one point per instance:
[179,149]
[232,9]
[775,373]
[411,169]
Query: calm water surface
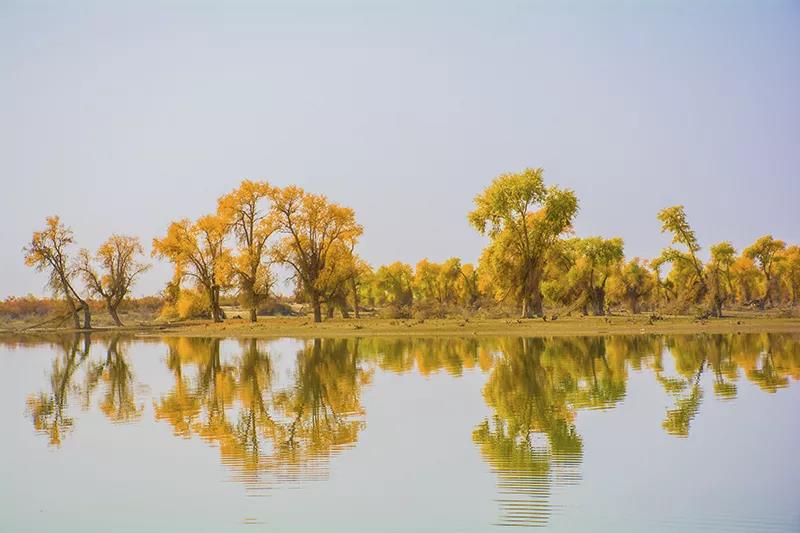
[645,433]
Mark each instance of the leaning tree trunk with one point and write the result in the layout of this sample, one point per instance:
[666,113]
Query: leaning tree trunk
[112,310]
[68,295]
[76,321]
[341,303]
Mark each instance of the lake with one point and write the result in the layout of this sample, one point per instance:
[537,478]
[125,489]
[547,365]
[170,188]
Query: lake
[616,433]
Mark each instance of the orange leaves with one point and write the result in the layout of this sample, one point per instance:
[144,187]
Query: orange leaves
[319,236]
[48,246]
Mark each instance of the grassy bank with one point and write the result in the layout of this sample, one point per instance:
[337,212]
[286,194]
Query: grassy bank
[267,327]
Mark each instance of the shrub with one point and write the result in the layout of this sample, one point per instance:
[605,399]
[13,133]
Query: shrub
[28,306]
[193,304]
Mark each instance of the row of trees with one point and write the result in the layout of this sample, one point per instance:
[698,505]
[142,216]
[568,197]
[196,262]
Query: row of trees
[108,274]
[532,259]
[256,226]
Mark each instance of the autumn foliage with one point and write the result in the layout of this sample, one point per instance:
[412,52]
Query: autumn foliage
[533,261]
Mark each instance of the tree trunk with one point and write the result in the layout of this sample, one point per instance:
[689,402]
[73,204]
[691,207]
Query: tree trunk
[87,315]
[356,302]
[634,305]
[717,311]
[532,294]
[316,305]
[598,301]
[216,311]
[329,311]
[527,307]
[342,303]
[73,308]
[538,303]
[253,300]
[112,310]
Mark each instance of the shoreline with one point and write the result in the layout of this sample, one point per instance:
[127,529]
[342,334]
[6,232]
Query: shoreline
[304,327]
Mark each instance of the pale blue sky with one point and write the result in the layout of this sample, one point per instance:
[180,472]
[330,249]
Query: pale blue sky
[121,118]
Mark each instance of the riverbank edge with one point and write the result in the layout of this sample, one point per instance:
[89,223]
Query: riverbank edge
[301,327]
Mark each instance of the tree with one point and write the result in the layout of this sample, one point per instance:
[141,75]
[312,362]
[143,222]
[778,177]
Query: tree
[312,227]
[765,252]
[467,287]
[597,260]
[339,278]
[673,220]
[745,276]
[362,275]
[790,261]
[520,238]
[48,251]
[723,255]
[120,268]
[632,283]
[198,252]
[252,224]
[437,282]
[394,284]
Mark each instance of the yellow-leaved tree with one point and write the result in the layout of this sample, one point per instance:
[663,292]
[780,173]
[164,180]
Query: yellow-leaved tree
[198,251]
[790,270]
[524,219]
[394,285]
[48,252]
[314,230]
[119,263]
[688,275]
[766,252]
[247,211]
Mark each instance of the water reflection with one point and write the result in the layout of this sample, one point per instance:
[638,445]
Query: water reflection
[233,403]
[273,427]
[48,408]
[119,398]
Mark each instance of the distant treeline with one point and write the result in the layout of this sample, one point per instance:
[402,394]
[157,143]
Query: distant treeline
[533,261]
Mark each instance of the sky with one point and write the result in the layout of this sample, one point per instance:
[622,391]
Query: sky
[121,117]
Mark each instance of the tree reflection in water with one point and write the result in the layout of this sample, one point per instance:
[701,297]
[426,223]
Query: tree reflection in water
[290,432]
[270,432]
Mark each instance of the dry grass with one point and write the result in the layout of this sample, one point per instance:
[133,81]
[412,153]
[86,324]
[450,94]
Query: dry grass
[373,327]
[304,327]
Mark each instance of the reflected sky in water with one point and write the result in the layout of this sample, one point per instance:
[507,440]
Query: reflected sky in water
[693,432]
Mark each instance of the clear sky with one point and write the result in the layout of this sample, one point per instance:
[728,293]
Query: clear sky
[121,118]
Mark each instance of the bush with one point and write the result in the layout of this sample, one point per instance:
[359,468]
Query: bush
[168,312]
[29,306]
[193,304]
